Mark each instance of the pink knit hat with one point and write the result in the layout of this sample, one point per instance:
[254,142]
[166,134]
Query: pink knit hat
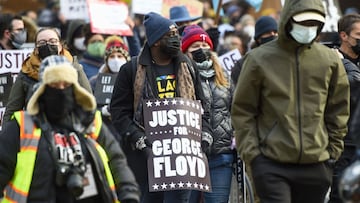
[194,33]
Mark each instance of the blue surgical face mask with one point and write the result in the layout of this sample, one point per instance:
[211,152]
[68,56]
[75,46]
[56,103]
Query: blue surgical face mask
[303,34]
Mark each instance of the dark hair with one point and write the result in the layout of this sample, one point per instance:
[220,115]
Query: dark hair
[345,24]
[5,23]
[17,17]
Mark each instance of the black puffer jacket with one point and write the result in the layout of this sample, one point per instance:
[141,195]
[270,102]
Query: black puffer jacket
[353,73]
[219,99]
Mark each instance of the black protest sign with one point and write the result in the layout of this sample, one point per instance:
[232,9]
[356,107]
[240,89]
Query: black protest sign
[104,88]
[6,82]
[173,126]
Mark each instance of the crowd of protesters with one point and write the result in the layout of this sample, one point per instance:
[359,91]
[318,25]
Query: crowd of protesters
[288,108]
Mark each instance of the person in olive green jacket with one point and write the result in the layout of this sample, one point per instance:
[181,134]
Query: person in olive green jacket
[47,42]
[290,109]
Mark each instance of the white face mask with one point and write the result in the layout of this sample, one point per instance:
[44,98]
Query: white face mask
[79,43]
[303,34]
[115,64]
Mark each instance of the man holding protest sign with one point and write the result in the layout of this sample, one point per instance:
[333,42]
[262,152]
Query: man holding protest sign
[161,71]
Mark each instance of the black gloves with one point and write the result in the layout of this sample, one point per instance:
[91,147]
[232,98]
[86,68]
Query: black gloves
[139,141]
[206,142]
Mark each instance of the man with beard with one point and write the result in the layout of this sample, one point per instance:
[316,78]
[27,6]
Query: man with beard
[12,32]
[160,71]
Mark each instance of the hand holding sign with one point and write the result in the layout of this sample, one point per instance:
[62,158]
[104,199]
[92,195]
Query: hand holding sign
[177,161]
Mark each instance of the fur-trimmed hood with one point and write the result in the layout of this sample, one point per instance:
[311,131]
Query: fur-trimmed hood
[57,69]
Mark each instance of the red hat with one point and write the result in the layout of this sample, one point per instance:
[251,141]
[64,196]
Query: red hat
[114,43]
[194,33]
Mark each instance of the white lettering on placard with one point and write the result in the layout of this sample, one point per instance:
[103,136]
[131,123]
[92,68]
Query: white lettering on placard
[175,117]
[176,146]
[184,165]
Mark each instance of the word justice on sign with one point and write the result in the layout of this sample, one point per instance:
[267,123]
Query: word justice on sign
[175,117]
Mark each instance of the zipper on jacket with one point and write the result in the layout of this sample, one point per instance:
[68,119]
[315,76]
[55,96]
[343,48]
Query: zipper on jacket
[298,101]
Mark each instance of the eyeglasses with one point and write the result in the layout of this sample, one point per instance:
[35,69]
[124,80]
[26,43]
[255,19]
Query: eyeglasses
[51,41]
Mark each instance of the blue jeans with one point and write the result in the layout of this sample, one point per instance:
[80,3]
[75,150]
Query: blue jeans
[221,168]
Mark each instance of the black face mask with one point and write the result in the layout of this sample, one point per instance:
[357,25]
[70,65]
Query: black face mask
[200,55]
[263,40]
[356,47]
[47,50]
[170,46]
[57,103]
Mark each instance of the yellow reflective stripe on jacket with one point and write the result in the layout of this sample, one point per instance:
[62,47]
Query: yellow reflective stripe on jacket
[18,188]
[104,158]
[108,173]
[97,125]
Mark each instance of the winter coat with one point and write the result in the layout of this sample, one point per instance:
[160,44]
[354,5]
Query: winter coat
[73,27]
[353,73]
[291,102]
[219,99]
[91,64]
[21,90]
[122,108]
[43,185]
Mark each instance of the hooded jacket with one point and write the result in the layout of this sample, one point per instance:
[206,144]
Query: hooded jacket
[73,27]
[291,103]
